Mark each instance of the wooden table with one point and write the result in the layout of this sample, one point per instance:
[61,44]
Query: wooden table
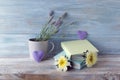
[107,68]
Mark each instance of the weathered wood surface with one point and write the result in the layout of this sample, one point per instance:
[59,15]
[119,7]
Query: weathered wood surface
[107,68]
[22,19]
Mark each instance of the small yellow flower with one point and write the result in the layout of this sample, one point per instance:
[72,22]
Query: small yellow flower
[62,63]
[91,59]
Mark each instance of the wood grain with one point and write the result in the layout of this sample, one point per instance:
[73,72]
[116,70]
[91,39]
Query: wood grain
[107,68]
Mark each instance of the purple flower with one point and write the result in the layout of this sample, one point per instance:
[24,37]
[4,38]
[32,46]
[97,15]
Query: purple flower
[64,15]
[51,13]
[59,22]
[82,34]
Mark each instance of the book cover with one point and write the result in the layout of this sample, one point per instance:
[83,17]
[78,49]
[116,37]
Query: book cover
[77,47]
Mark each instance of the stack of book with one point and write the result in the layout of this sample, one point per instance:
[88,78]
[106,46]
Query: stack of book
[74,51]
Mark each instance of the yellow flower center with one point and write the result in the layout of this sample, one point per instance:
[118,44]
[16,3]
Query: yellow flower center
[91,59]
[62,62]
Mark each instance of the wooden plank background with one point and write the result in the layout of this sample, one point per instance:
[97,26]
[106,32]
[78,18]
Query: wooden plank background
[22,19]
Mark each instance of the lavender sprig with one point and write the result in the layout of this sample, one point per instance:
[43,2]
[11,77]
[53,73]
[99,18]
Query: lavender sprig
[51,27]
[64,15]
[58,22]
[51,13]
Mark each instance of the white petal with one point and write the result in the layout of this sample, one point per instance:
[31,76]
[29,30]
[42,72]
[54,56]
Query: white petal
[58,69]
[55,62]
[65,69]
[55,59]
[68,64]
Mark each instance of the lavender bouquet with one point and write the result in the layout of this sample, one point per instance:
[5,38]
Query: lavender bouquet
[51,27]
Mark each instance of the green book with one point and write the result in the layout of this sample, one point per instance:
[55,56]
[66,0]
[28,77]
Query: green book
[77,47]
